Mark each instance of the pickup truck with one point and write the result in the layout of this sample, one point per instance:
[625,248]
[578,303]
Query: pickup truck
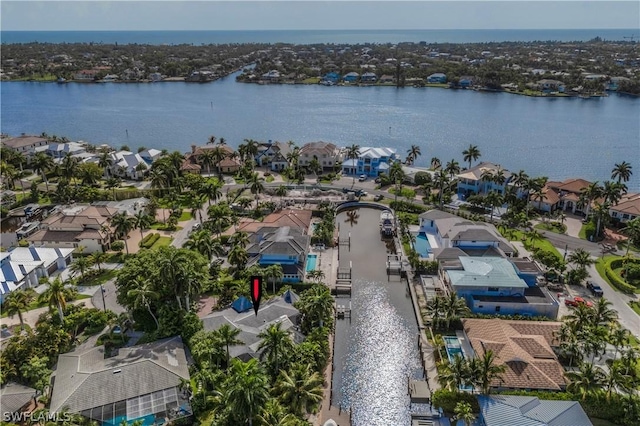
[595,289]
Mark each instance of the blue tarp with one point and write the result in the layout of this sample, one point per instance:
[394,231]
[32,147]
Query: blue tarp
[242,304]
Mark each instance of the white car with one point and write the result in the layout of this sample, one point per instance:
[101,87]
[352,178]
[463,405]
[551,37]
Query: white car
[362,178]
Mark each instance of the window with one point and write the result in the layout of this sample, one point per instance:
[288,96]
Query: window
[497,308]
[493,289]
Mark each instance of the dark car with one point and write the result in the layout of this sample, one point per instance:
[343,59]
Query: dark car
[595,289]
[378,197]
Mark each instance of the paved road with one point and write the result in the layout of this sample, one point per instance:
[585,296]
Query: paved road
[628,318]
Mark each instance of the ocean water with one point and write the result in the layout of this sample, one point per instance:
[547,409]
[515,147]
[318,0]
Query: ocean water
[310,36]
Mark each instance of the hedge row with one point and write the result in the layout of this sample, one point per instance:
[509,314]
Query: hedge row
[149,240]
[616,280]
[404,206]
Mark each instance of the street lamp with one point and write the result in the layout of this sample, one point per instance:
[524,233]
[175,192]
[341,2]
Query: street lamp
[104,305]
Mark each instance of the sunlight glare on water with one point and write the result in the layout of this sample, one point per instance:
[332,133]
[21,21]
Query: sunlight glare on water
[382,355]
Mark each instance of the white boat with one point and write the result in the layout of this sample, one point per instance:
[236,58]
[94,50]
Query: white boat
[387,224]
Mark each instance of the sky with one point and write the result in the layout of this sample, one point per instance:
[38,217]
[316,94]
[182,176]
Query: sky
[56,15]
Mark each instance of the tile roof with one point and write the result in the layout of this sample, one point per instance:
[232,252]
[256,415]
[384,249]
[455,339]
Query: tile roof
[22,141]
[475,172]
[629,203]
[570,185]
[46,236]
[321,147]
[524,347]
[288,217]
[14,396]
[501,410]
[87,379]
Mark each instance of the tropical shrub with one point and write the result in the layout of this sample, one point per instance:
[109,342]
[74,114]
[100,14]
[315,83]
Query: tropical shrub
[614,278]
[447,400]
[149,240]
[405,206]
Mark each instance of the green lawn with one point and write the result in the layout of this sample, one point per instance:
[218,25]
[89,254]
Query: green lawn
[185,216]
[35,305]
[162,242]
[162,227]
[583,232]
[552,227]
[543,244]
[270,179]
[101,278]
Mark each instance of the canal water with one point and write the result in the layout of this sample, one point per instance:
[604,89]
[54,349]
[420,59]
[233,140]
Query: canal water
[377,350]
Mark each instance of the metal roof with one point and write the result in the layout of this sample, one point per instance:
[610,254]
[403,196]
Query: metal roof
[503,410]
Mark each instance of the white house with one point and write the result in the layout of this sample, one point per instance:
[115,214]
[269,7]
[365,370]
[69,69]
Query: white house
[21,267]
[128,165]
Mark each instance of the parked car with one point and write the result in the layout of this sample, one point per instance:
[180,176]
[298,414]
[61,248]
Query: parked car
[577,301]
[378,197]
[196,226]
[378,180]
[362,178]
[595,289]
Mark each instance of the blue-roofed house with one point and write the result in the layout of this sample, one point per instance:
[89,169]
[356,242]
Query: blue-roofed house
[501,410]
[371,162]
[22,267]
[241,304]
[286,246]
[333,77]
[351,77]
[437,78]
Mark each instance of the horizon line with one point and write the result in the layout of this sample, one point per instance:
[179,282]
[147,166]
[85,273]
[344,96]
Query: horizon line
[333,29]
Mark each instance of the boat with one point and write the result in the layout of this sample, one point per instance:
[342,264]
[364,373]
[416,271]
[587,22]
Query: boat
[61,80]
[387,224]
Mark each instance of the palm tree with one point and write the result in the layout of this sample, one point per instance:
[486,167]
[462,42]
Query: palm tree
[592,192]
[464,412]
[353,153]
[238,257]
[581,258]
[56,295]
[81,264]
[618,337]
[201,242]
[452,168]
[143,294]
[41,163]
[256,186]
[300,389]
[615,379]
[208,158]
[113,183]
[434,309]
[142,221]
[585,381]
[274,273]
[602,313]
[632,231]
[413,153]
[212,189]
[18,302]
[122,225]
[487,371]
[471,154]
[455,374]
[454,307]
[317,305]
[228,336]
[435,163]
[274,414]
[245,391]
[281,191]
[276,346]
[493,200]
[621,172]
[98,258]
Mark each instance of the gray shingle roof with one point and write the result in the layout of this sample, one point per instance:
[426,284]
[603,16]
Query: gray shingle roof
[14,396]
[501,410]
[86,379]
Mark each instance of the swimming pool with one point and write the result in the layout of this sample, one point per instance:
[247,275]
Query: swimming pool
[452,345]
[422,245]
[311,262]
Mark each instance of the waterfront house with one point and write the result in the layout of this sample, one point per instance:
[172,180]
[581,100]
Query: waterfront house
[61,150]
[240,316]
[286,246]
[193,160]
[547,85]
[563,195]
[386,78]
[437,78]
[615,82]
[465,82]
[74,226]
[24,143]
[128,165]
[371,162]
[523,347]
[21,267]
[155,77]
[272,76]
[496,410]
[628,208]
[327,154]
[142,382]
[268,150]
[476,180]
[351,77]
[368,77]
[85,75]
[332,77]
[491,284]
[150,155]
